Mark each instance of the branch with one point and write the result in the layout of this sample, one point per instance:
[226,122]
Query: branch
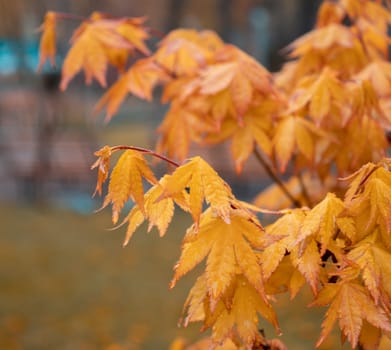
[273,175]
[147,151]
[304,190]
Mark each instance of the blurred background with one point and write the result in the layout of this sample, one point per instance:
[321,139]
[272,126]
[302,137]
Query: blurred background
[65,280]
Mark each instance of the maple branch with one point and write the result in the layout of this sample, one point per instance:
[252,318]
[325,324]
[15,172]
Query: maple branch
[304,190]
[273,175]
[157,33]
[147,151]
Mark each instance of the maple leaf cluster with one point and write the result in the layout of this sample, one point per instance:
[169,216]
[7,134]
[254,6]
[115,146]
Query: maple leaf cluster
[341,248]
[324,117]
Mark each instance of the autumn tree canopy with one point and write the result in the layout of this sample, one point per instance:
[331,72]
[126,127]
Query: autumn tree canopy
[324,118]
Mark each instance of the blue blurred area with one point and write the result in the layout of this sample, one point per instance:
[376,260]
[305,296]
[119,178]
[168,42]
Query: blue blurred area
[8,57]
[16,55]
[80,202]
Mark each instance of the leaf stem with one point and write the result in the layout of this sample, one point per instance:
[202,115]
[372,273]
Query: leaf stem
[147,151]
[273,175]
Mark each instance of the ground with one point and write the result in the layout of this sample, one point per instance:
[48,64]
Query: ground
[67,283]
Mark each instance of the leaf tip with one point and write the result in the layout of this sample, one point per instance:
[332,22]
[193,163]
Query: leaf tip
[172,283]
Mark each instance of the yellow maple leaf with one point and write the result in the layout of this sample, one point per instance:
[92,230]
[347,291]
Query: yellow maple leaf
[357,180]
[184,51]
[347,227]
[157,211]
[322,38]
[126,182]
[241,75]
[47,46]
[103,165]
[320,96]
[203,182]
[254,131]
[294,132]
[194,304]
[88,52]
[242,315]
[307,259]
[135,32]
[379,75]
[369,199]
[180,127]
[235,314]
[139,80]
[285,278]
[329,13]
[350,303]
[371,258]
[371,20]
[288,227]
[91,47]
[320,221]
[228,249]
[375,41]
[365,101]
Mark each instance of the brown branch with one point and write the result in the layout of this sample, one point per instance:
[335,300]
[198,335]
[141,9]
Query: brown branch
[159,34]
[304,190]
[273,175]
[147,151]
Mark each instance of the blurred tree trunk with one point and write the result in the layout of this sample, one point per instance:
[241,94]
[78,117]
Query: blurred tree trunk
[309,10]
[175,10]
[224,8]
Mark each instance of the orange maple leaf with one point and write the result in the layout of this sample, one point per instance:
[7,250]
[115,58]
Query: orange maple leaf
[183,51]
[203,182]
[97,42]
[329,13]
[126,182]
[103,165]
[350,303]
[179,128]
[254,131]
[369,199]
[139,80]
[158,211]
[379,75]
[238,73]
[47,46]
[321,221]
[228,248]
[289,226]
[321,96]
[322,39]
[236,316]
[294,132]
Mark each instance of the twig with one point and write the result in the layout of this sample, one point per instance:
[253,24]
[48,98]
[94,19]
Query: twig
[147,151]
[275,178]
[304,190]
[157,33]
